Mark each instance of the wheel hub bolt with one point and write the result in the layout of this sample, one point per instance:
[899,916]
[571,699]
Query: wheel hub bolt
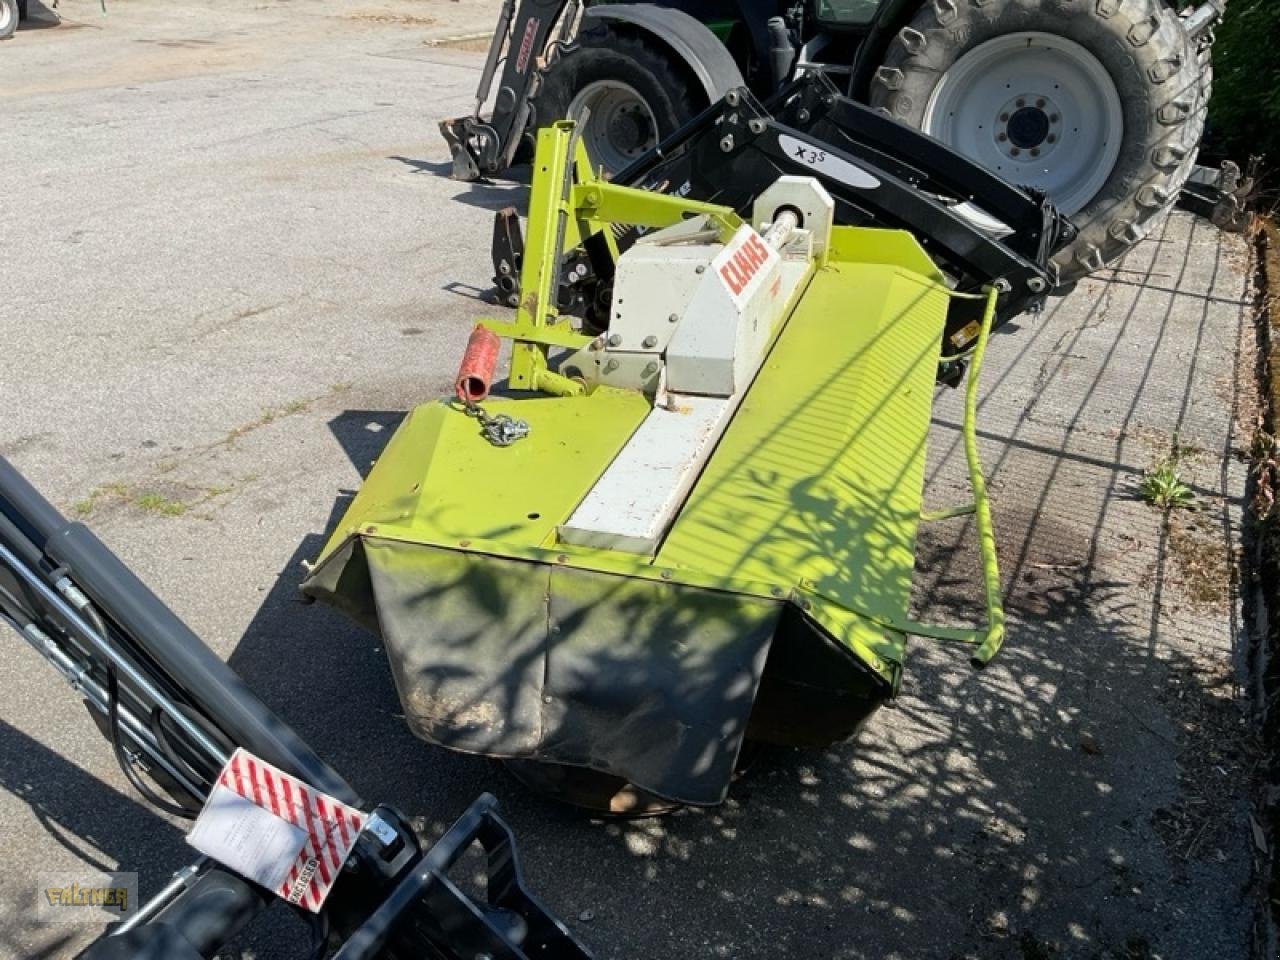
[1053,138]
[1003,137]
[1016,152]
[1022,103]
[1040,103]
[1035,152]
[1004,118]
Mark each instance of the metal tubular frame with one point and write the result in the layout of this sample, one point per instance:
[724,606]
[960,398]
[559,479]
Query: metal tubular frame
[568,204]
[988,639]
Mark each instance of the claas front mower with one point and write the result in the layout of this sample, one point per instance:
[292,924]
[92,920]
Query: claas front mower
[692,523]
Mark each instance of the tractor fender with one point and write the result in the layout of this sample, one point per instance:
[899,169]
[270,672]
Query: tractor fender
[687,38]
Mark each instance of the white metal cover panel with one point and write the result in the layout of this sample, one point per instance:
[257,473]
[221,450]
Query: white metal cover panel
[636,499]
[718,343]
[653,284]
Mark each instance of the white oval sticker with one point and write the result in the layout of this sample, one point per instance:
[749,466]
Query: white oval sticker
[837,168]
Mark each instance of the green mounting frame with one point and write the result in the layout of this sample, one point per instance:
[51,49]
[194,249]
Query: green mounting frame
[568,203]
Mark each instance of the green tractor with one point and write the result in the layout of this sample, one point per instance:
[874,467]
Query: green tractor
[1100,104]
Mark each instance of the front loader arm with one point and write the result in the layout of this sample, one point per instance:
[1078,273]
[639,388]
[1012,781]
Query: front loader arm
[519,44]
[881,173]
[175,714]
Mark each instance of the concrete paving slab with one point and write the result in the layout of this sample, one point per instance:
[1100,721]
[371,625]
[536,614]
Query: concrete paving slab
[236,263]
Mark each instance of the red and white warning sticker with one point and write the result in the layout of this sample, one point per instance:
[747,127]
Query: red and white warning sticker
[276,830]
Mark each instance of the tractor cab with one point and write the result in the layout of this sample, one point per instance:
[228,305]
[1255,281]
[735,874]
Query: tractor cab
[844,14]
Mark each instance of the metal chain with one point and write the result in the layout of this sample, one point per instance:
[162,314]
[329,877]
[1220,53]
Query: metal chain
[501,430]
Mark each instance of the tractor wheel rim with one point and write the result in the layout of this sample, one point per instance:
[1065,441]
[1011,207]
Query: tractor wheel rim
[1038,109]
[620,125]
[7,15]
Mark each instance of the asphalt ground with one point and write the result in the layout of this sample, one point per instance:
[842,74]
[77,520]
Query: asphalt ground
[234,259]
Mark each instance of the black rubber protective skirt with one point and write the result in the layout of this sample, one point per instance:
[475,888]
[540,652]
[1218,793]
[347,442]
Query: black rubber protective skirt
[648,680]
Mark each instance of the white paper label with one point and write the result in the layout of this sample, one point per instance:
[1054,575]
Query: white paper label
[253,842]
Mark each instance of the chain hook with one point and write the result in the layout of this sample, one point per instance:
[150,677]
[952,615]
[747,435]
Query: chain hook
[501,430]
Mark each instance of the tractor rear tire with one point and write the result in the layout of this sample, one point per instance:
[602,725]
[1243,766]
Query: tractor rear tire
[1110,129]
[637,94]
[9,15]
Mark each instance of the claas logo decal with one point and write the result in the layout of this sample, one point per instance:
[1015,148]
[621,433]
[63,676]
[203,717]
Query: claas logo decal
[744,263]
